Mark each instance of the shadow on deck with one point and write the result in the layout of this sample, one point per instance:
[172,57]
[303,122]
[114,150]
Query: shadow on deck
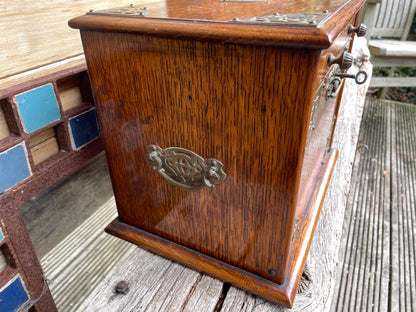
[378,247]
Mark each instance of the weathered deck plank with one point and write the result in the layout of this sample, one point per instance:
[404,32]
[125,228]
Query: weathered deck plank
[157,284]
[366,233]
[205,296]
[403,196]
[76,267]
[378,253]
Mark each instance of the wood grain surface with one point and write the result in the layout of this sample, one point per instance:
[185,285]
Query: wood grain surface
[35,34]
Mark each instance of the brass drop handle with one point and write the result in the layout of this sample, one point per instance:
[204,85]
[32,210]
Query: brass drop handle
[360,77]
[185,169]
[360,30]
[344,60]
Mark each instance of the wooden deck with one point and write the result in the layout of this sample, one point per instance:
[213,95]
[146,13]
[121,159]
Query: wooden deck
[66,225]
[379,233]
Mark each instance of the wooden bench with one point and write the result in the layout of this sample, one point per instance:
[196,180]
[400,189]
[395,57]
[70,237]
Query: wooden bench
[389,23]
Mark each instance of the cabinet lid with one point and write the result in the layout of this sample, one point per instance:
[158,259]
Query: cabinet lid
[313,23]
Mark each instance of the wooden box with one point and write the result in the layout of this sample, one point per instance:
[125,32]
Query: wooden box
[217,119]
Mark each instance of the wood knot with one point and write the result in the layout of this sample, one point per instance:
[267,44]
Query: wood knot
[305,280]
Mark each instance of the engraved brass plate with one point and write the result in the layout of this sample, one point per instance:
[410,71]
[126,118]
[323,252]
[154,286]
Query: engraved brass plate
[184,168]
[131,10]
[298,19]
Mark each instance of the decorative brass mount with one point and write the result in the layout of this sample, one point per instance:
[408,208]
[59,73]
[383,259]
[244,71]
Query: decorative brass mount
[298,19]
[131,10]
[185,169]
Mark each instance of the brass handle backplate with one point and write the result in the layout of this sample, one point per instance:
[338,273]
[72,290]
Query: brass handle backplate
[185,169]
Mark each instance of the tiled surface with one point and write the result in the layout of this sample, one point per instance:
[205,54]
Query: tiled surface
[38,107]
[26,117]
[14,167]
[13,295]
[83,129]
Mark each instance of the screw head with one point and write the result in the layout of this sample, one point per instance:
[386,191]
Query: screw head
[122,287]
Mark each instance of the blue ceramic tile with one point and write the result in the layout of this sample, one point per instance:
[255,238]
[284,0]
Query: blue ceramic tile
[14,167]
[83,128]
[13,296]
[38,107]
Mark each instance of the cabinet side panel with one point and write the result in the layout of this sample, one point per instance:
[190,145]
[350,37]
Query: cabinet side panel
[245,106]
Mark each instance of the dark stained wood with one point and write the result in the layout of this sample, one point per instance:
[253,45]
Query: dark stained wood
[242,102]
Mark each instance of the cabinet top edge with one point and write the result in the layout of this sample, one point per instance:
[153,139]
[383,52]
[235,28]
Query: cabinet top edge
[275,22]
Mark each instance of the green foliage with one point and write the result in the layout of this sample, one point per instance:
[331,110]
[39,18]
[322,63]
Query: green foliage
[403,94]
[406,71]
[399,72]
